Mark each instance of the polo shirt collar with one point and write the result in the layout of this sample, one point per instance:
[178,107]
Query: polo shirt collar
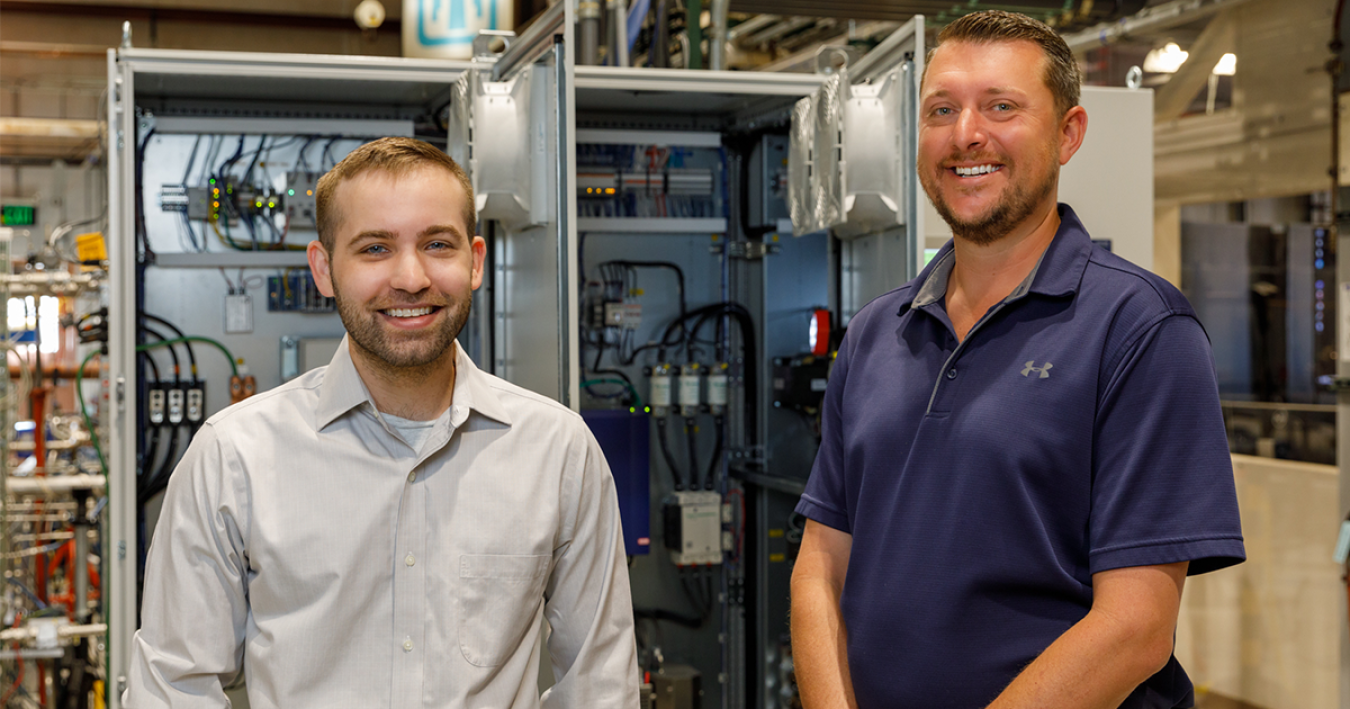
[1058,272]
[342,391]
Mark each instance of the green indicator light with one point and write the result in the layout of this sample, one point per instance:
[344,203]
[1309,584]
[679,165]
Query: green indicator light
[632,409]
[646,409]
[290,193]
[213,180]
[271,205]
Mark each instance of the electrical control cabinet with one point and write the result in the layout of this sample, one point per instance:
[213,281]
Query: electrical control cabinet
[691,285]
[642,269]
[214,162]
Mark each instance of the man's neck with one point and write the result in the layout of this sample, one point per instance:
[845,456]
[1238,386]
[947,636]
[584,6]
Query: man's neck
[985,274]
[414,393]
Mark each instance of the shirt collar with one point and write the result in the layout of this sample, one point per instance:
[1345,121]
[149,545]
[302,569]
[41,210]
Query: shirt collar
[1058,272]
[342,390]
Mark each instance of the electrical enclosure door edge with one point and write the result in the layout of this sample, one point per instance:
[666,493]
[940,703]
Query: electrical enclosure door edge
[851,167]
[888,254]
[530,272]
[120,553]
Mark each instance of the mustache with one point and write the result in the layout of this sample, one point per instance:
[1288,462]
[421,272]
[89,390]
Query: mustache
[385,303]
[956,157]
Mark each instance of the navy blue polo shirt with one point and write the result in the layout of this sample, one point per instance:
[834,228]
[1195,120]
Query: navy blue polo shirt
[1075,430]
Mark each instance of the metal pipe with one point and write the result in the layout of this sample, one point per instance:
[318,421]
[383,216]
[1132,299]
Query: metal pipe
[64,632]
[717,44]
[754,24]
[804,59]
[534,43]
[659,53]
[792,24]
[588,32]
[886,55]
[1150,19]
[81,607]
[618,23]
[55,483]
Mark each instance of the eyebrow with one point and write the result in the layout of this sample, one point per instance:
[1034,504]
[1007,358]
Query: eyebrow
[991,91]
[384,234]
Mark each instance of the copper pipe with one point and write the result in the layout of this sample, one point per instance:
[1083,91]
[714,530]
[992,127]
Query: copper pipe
[60,371]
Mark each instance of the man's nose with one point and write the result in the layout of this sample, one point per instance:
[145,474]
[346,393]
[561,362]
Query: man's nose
[410,274]
[969,130]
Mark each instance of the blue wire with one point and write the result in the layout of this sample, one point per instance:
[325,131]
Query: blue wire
[28,593]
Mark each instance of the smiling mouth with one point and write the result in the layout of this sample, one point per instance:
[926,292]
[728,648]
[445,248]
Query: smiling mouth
[976,170]
[409,312]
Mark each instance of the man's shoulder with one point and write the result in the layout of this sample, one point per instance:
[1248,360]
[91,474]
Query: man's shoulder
[887,304]
[1129,282]
[298,395]
[524,403]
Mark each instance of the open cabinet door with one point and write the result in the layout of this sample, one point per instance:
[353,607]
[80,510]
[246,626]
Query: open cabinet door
[851,169]
[512,125]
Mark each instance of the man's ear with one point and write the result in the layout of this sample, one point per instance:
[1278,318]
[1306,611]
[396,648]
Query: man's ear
[479,247]
[1072,130]
[320,267]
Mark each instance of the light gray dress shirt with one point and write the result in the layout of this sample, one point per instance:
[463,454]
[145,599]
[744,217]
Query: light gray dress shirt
[302,539]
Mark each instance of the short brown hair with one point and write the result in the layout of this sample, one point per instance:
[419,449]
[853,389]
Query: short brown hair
[1062,76]
[396,156]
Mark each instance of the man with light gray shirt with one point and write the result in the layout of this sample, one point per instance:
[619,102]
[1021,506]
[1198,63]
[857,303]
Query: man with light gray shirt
[389,530]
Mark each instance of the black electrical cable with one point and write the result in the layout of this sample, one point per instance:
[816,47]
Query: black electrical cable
[745,322]
[679,276]
[173,354]
[156,477]
[691,438]
[718,424]
[687,621]
[675,473]
[150,442]
[141,235]
[178,334]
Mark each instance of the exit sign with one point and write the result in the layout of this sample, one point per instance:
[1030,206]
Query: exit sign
[18,215]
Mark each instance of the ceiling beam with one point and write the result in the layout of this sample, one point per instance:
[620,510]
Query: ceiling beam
[1158,18]
[1218,39]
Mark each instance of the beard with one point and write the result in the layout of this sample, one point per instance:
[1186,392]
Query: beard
[1018,202]
[396,351]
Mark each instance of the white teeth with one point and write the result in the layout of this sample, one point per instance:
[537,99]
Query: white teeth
[977,170]
[408,312]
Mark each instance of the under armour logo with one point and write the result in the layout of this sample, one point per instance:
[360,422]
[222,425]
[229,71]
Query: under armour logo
[1031,367]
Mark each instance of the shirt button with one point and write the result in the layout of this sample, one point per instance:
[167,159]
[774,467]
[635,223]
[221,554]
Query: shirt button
[412,476]
[951,373]
[407,644]
[409,560]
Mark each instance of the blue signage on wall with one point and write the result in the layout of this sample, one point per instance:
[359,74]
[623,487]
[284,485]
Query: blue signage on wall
[449,22]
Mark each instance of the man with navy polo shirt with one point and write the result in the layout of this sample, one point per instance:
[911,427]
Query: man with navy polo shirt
[1023,455]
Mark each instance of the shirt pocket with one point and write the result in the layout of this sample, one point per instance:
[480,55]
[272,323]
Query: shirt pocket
[499,597]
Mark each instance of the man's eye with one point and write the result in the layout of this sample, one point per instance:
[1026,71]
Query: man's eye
[374,249]
[1002,107]
[439,245]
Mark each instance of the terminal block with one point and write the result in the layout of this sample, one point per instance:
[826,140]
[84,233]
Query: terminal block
[296,293]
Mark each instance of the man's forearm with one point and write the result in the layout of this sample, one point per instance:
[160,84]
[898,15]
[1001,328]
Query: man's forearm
[820,646]
[1125,639]
[1088,667]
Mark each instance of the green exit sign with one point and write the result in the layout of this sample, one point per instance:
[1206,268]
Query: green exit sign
[18,215]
